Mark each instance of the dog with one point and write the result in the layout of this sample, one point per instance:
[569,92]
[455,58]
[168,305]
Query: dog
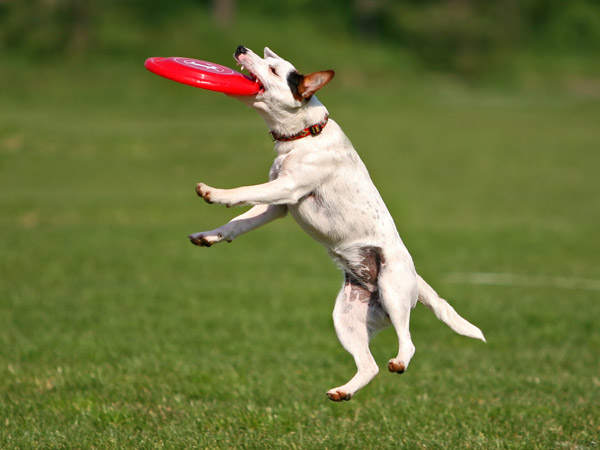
[321,181]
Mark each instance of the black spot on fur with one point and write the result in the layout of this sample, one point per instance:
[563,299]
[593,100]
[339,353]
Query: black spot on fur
[294,79]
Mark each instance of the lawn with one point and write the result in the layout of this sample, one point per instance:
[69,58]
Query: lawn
[115,332]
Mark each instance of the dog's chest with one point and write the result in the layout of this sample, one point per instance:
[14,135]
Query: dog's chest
[277,166]
[343,205]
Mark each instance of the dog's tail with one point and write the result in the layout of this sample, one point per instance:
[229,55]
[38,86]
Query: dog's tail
[445,312]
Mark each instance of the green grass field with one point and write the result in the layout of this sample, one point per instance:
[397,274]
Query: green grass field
[115,332]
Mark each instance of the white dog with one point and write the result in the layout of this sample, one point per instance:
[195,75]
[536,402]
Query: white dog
[319,178]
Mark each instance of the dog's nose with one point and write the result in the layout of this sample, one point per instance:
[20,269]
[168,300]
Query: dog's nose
[241,50]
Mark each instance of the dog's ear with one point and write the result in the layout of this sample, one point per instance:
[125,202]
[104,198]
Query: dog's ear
[270,53]
[312,82]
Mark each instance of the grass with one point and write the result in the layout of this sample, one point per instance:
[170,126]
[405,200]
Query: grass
[115,332]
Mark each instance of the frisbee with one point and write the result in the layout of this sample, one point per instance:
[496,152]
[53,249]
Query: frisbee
[203,74]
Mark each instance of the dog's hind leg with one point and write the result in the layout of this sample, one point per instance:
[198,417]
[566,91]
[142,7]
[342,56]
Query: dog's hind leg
[356,317]
[398,290]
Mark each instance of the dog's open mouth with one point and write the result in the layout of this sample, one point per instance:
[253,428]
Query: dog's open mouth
[250,76]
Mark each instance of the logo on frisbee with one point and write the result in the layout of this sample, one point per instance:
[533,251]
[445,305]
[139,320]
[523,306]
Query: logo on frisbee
[205,66]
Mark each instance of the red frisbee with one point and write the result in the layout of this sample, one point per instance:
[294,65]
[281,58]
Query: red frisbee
[203,74]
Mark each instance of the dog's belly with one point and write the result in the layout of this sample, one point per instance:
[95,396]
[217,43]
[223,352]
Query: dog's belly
[335,216]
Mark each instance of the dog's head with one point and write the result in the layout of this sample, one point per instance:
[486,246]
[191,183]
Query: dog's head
[283,88]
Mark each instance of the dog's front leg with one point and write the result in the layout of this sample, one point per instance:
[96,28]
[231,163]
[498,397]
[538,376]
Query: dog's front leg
[281,191]
[250,220]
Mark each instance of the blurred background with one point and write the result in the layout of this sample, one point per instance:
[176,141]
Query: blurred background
[479,123]
[508,40]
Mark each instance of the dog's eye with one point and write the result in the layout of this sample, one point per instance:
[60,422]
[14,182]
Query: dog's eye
[274,71]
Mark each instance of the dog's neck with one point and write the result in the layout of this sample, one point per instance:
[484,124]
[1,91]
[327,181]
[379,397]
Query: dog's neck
[289,123]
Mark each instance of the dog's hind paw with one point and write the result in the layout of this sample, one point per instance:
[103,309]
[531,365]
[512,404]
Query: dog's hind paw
[395,366]
[337,396]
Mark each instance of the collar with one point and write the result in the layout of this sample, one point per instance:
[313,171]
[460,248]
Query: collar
[313,130]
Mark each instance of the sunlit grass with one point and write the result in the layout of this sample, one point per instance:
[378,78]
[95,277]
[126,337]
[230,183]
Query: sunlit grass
[116,332]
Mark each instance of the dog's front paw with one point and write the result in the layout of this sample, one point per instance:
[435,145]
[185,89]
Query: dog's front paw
[213,195]
[204,191]
[207,238]
[209,194]
[337,395]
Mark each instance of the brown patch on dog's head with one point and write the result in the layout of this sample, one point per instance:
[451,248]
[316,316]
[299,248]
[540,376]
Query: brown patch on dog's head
[304,86]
